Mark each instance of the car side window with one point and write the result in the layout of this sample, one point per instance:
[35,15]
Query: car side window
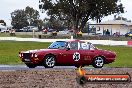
[92,47]
[74,45]
[58,45]
[84,46]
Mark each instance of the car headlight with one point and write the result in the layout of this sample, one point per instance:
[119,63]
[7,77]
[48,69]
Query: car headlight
[20,55]
[35,55]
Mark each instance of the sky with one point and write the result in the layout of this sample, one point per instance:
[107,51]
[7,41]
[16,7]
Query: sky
[8,6]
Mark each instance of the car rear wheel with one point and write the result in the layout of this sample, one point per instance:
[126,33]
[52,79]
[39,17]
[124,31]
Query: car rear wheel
[98,62]
[49,61]
[31,65]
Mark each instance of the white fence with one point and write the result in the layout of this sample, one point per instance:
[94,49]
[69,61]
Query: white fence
[101,42]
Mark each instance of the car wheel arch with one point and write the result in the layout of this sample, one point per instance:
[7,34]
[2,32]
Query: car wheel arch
[50,54]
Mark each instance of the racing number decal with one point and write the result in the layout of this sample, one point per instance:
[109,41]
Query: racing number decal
[76,56]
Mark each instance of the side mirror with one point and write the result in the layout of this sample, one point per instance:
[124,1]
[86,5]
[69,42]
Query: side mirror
[67,49]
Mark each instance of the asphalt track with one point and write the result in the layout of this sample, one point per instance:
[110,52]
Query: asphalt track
[24,67]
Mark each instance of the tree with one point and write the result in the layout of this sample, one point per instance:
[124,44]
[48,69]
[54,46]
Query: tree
[78,12]
[19,19]
[3,22]
[38,23]
[31,14]
[22,18]
[55,23]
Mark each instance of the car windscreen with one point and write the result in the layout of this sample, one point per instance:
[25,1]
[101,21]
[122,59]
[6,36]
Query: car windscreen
[57,45]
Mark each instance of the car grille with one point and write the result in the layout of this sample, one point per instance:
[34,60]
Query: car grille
[26,56]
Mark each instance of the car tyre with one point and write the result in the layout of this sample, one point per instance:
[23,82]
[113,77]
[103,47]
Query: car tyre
[49,61]
[98,62]
[31,65]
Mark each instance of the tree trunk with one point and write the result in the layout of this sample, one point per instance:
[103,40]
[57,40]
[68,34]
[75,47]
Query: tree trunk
[83,23]
[75,27]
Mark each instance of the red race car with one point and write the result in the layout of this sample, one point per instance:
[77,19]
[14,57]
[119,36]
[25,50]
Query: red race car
[67,53]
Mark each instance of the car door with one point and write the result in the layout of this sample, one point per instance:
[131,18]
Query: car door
[71,56]
[87,52]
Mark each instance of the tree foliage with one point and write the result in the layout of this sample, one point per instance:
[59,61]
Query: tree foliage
[78,12]
[55,23]
[22,18]
[38,23]
[122,18]
[31,14]
[19,19]
[3,22]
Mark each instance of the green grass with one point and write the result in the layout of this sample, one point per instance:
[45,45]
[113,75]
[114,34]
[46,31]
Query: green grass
[124,55]
[9,52]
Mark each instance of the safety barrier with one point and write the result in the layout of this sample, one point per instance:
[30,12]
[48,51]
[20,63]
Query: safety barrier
[101,42]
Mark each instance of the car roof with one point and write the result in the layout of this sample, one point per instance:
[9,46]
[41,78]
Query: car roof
[75,40]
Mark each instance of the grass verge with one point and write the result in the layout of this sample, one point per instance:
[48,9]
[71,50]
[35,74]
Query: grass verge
[17,35]
[123,59]
[9,50]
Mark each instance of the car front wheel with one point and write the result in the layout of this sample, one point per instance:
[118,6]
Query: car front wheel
[98,62]
[49,61]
